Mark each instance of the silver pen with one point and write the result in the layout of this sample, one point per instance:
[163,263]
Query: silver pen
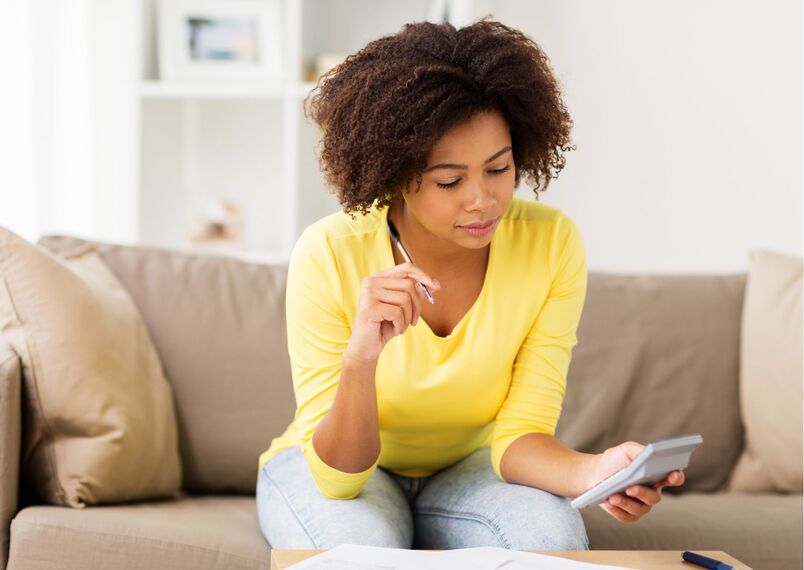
[395,236]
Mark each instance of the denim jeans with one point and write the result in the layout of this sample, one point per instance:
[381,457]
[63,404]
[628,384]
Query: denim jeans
[462,506]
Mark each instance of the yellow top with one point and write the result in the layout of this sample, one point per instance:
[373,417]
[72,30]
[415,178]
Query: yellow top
[501,373]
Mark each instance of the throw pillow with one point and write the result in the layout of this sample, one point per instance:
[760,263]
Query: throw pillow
[771,376]
[99,422]
[218,323]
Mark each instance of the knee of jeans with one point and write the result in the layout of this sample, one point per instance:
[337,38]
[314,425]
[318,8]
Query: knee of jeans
[569,534]
[364,528]
[345,522]
[381,533]
[558,528]
[565,530]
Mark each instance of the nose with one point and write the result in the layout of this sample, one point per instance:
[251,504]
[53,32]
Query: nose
[482,198]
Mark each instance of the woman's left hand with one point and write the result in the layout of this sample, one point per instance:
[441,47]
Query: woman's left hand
[637,500]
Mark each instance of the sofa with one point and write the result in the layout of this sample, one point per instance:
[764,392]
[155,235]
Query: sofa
[657,356]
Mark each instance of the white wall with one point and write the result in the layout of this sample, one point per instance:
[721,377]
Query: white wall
[688,123]
[115,58]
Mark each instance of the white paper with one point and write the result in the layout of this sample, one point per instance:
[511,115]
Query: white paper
[358,557]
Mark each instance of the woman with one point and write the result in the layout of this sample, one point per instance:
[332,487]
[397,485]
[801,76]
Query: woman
[431,424]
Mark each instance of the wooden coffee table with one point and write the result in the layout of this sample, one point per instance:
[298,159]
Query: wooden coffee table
[641,559]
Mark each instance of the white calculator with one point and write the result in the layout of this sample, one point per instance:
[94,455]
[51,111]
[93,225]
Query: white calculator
[651,466]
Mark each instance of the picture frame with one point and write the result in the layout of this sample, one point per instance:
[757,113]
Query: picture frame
[220,40]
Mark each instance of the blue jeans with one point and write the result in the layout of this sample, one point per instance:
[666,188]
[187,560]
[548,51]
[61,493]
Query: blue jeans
[462,506]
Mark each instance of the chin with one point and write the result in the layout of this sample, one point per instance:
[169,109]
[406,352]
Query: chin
[472,242]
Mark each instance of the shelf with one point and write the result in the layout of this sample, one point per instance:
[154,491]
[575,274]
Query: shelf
[154,89]
[245,141]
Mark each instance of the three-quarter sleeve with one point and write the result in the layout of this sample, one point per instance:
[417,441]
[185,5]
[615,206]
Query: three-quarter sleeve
[318,333]
[539,377]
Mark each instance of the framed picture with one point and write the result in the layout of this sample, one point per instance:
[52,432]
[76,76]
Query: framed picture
[220,40]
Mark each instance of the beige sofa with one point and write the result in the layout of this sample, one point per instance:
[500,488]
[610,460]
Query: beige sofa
[657,356]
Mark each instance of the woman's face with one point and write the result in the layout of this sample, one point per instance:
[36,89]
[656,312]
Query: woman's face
[469,178]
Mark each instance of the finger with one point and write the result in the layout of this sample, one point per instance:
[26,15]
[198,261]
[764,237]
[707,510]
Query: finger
[629,505]
[394,314]
[411,287]
[673,479]
[676,478]
[399,299]
[618,513]
[647,495]
[407,269]
[633,448]
[385,324]
[422,286]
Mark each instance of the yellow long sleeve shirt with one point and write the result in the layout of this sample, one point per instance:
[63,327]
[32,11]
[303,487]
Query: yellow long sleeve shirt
[500,374]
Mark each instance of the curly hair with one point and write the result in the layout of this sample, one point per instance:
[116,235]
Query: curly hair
[382,109]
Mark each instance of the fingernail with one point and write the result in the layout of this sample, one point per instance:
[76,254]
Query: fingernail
[615,500]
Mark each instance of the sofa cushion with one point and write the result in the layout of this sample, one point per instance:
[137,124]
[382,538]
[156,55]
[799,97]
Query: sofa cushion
[658,356]
[762,531]
[771,376]
[218,324]
[191,533]
[99,424]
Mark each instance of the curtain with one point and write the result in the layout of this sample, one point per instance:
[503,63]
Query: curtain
[68,116]
[47,145]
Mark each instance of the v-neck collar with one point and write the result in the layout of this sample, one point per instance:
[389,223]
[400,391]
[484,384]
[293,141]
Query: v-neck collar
[390,262]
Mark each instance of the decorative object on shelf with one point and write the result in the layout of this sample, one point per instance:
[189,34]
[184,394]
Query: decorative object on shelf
[217,40]
[219,227]
[323,62]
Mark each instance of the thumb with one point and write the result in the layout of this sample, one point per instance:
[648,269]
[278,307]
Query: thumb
[632,448]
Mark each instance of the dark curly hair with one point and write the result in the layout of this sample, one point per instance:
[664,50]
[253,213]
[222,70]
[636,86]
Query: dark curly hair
[383,108]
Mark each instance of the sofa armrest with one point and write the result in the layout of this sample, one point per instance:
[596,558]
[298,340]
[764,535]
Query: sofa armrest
[10,437]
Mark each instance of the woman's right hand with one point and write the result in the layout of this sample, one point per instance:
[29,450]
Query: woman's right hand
[390,301]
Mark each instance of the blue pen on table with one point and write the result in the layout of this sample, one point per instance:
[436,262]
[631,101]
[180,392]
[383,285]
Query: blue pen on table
[705,561]
[395,236]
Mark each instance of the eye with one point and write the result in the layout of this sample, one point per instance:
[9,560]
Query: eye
[455,183]
[450,185]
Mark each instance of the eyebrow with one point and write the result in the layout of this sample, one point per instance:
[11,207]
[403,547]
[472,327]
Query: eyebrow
[463,166]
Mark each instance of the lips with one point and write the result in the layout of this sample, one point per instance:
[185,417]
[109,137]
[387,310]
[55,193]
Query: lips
[479,225]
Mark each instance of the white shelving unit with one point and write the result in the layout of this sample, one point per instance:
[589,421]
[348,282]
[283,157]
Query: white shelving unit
[249,143]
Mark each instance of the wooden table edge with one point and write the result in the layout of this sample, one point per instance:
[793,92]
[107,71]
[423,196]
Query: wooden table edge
[281,559]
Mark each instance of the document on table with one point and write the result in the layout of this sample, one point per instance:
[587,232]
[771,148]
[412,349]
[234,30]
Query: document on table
[357,557]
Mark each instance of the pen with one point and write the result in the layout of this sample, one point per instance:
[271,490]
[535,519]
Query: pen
[395,236]
[705,561]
